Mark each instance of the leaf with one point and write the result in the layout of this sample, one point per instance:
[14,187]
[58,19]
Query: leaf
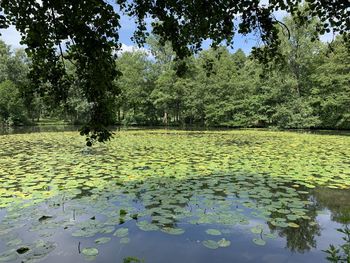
[294,225]
[259,241]
[256,230]
[213,232]
[212,244]
[224,243]
[90,251]
[146,226]
[102,240]
[121,232]
[8,256]
[173,231]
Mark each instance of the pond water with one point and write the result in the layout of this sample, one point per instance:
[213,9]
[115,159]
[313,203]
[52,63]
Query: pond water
[173,196]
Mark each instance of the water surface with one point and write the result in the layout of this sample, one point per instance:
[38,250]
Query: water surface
[173,196]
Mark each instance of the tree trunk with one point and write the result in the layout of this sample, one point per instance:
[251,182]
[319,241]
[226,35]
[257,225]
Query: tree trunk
[165,118]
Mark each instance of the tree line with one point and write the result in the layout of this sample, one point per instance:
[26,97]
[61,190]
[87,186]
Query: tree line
[307,86]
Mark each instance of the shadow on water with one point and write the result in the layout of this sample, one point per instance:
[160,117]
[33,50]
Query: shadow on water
[63,127]
[35,129]
[169,220]
[56,208]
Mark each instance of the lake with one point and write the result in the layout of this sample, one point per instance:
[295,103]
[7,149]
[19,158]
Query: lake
[158,196]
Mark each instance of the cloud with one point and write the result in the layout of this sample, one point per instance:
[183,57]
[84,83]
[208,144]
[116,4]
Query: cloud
[131,48]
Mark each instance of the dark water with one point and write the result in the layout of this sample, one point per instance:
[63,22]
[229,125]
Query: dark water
[33,129]
[328,209]
[61,128]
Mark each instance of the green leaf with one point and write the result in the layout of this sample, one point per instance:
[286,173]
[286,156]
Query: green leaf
[90,251]
[121,232]
[224,243]
[213,232]
[212,244]
[102,240]
[259,241]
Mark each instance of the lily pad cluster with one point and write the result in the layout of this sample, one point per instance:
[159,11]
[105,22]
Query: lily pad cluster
[59,162]
[165,181]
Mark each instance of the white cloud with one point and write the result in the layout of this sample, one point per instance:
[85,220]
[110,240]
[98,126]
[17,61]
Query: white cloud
[131,48]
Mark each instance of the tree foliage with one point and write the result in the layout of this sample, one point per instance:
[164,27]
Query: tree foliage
[88,30]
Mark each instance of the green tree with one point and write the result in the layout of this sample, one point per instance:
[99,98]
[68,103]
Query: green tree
[331,86]
[12,110]
[89,29]
[136,85]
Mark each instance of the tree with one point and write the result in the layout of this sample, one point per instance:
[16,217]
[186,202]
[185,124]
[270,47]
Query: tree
[331,86]
[89,30]
[12,110]
[14,67]
[136,85]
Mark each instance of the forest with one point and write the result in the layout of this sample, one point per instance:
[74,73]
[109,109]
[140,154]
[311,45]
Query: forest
[307,86]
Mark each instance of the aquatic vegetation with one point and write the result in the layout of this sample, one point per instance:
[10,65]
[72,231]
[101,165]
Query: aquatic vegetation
[212,244]
[102,240]
[213,232]
[166,182]
[259,241]
[121,232]
[90,253]
[342,253]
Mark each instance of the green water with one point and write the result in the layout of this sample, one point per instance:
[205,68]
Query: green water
[173,196]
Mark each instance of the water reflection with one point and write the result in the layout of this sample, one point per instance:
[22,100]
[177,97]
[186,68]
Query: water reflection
[38,128]
[256,213]
[335,200]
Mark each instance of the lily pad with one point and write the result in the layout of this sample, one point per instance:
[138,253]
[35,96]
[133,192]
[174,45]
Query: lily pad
[294,225]
[173,231]
[212,244]
[8,256]
[90,251]
[146,226]
[259,241]
[121,232]
[102,240]
[213,232]
[224,243]
[256,230]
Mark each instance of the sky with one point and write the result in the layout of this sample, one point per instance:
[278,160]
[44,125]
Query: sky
[12,37]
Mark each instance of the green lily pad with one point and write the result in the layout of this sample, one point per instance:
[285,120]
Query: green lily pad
[8,256]
[224,243]
[270,235]
[146,226]
[173,231]
[102,240]
[294,225]
[121,232]
[14,242]
[256,230]
[212,244]
[213,232]
[91,251]
[259,241]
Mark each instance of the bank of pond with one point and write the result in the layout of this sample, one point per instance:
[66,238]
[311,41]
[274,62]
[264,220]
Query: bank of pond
[173,196]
